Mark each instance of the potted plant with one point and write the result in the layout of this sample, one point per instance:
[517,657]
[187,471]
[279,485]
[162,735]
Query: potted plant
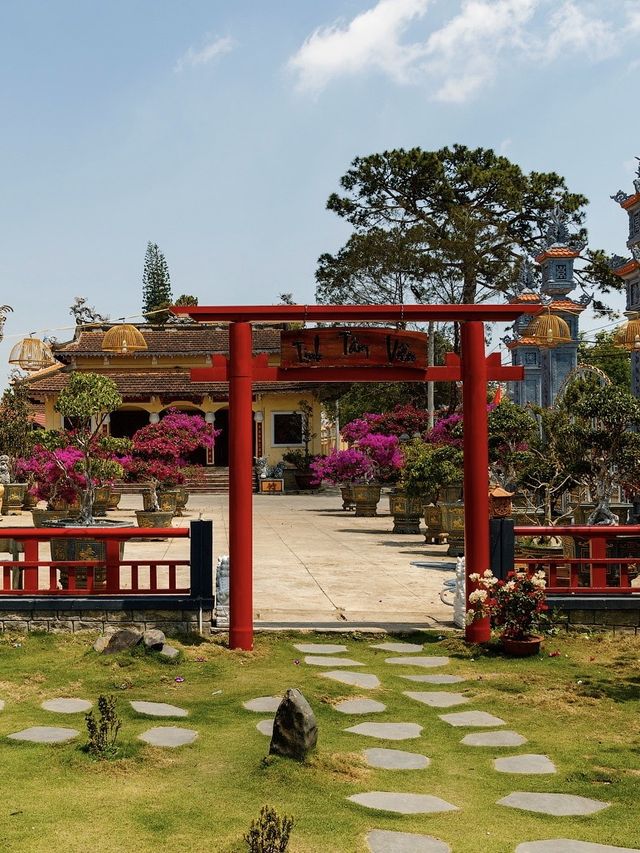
[430,470]
[517,608]
[159,455]
[16,429]
[301,458]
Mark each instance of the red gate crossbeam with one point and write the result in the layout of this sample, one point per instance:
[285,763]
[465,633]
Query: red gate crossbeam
[450,371]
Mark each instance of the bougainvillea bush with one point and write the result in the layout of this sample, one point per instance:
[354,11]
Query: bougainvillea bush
[375,457]
[160,452]
[403,420]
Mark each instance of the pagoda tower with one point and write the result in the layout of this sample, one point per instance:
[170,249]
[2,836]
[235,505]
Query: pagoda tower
[629,268]
[547,367]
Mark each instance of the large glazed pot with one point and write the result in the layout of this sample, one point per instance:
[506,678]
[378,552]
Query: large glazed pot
[30,501]
[44,517]
[101,501]
[304,480]
[82,549]
[433,519]
[114,500]
[167,500]
[347,496]
[153,519]
[453,523]
[13,498]
[366,497]
[182,496]
[406,511]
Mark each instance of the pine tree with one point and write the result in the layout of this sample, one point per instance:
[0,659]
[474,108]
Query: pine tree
[156,285]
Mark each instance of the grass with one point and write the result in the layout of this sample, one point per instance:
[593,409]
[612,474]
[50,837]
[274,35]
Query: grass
[580,707]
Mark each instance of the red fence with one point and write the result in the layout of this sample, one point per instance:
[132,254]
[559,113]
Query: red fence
[608,565]
[100,570]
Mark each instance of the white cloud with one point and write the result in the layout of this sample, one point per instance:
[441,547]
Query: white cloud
[212,50]
[469,49]
[370,41]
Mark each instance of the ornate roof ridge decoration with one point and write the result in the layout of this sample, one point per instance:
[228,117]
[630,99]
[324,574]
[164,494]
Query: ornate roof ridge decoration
[558,236]
[526,280]
[4,310]
[621,196]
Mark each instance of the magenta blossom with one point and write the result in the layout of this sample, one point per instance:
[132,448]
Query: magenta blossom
[344,466]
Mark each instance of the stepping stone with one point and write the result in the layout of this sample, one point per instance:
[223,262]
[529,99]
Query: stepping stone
[534,764]
[437,698]
[472,718]
[435,679]
[67,706]
[318,660]
[558,805]
[500,738]
[355,679]
[387,731]
[419,661]
[360,706]
[402,803]
[385,841]
[319,648]
[566,845]
[403,648]
[395,759]
[263,704]
[45,734]
[265,727]
[170,736]
[158,709]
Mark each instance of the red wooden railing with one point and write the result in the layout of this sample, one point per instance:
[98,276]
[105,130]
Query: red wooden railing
[594,574]
[111,576]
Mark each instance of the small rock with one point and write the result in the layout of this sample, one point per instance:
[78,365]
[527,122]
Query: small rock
[101,644]
[120,641]
[295,730]
[169,652]
[153,638]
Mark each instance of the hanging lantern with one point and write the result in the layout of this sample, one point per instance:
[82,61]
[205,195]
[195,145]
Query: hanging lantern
[123,338]
[548,330]
[31,354]
[628,336]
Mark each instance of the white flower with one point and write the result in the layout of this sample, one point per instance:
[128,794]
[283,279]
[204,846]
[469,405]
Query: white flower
[487,573]
[478,595]
[474,576]
[510,585]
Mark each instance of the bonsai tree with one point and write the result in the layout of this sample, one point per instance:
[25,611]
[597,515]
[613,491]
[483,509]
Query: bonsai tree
[375,458]
[160,452]
[86,401]
[429,468]
[16,426]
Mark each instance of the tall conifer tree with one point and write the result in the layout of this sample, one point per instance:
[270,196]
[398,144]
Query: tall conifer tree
[156,284]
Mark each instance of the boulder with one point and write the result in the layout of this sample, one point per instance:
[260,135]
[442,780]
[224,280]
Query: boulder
[295,731]
[101,643]
[154,639]
[169,652]
[121,640]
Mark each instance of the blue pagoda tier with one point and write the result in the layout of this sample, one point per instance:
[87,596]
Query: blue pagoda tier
[547,368]
[629,268]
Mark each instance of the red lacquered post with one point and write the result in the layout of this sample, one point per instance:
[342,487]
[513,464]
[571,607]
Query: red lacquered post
[476,464]
[31,555]
[598,551]
[240,487]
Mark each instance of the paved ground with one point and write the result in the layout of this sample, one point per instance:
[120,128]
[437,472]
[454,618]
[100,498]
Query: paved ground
[316,564]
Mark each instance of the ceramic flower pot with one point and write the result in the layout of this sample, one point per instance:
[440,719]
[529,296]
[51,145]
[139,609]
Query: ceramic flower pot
[366,498]
[433,519]
[406,512]
[347,496]
[521,648]
[182,496]
[101,501]
[13,498]
[167,500]
[153,519]
[114,500]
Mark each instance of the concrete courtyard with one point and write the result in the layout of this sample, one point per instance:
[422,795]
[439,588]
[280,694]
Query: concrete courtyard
[317,565]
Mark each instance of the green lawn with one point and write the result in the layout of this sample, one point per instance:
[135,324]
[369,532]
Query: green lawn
[581,708]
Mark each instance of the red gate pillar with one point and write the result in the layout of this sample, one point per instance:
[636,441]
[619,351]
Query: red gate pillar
[240,487]
[476,464]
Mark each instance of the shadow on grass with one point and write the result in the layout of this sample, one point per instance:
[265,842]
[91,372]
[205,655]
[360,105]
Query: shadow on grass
[625,690]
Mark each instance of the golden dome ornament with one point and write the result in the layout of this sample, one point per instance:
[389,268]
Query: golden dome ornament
[548,330]
[628,336]
[31,354]
[123,338]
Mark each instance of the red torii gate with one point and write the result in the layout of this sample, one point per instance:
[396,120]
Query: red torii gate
[473,368]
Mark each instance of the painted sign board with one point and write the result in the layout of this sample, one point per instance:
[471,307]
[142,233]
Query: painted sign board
[350,347]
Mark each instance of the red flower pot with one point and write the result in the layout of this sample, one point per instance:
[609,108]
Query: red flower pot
[521,648]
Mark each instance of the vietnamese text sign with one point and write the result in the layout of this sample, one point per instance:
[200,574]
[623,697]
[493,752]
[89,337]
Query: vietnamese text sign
[342,347]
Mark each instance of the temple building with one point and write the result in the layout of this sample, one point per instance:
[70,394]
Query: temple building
[546,368]
[628,269]
[157,378]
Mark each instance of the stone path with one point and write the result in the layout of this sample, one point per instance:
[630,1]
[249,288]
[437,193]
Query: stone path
[317,660]
[437,698]
[387,731]
[158,709]
[67,706]
[319,648]
[389,801]
[265,727]
[45,734]
[360,706]
[385,841]
[354,679]
[405,648]
[471,719]
[419,661]
[531,764]
[500,738]
[435,679]
[263,704]
[566,845]
[395,759]
[560,805]
[168,736]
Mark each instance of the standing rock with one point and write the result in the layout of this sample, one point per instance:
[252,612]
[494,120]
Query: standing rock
[120,641]
[101,643]
[153,638]
[295,730]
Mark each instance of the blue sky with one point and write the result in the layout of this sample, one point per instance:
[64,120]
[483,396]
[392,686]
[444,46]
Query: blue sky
[218,130]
